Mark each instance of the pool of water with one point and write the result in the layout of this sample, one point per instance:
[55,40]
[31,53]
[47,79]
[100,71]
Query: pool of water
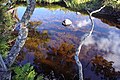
[51,46]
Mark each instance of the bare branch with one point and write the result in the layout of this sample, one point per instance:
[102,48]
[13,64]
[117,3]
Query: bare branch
[82,42]
[97,10]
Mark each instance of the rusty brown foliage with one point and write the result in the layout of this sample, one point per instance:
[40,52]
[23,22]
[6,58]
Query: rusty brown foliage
[104,67]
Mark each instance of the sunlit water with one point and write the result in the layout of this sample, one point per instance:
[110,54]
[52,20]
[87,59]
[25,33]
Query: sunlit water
[51,54]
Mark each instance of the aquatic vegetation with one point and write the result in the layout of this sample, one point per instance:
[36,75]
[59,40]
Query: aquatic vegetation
[34,24]
[59,60]
[33,43]
[36,38]
[102,67]
[56,59]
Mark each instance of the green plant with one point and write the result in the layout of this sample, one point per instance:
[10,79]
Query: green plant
[6,23]
[113,3]
[25,72]
[39,78]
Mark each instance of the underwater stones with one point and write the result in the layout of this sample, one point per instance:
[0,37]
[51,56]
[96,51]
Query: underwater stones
[67,22]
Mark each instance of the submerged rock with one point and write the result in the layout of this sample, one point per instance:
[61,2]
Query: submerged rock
[67,22]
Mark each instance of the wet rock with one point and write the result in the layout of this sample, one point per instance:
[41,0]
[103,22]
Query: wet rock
[67,22]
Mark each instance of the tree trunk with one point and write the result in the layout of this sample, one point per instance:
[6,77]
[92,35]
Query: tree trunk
[85,36]
[5,64]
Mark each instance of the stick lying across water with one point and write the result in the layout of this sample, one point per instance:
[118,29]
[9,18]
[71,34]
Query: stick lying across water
[82,42]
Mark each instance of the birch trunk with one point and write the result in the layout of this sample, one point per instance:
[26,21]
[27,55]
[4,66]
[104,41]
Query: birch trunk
[5,64]
[82,42]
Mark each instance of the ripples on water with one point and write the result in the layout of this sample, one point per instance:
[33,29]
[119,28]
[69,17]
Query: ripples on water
[51,46]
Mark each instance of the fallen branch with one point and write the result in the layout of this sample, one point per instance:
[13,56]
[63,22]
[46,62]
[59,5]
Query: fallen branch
[82,42]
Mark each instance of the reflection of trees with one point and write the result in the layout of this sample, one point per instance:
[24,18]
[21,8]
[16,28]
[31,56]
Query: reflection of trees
[107,19]
[36,40]
[102,67]
[60,60]
[34,24]
[65,53]
[33,43]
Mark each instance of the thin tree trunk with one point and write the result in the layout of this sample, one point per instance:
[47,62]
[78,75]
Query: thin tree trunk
[82,42]
[5,64]
[20,41]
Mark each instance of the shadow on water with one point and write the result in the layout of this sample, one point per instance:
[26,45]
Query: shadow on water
[51,46]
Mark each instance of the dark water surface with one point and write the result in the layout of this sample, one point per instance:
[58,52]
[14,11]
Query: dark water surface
[51,46]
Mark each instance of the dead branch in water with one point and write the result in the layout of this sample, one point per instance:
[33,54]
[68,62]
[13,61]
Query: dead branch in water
[82,42]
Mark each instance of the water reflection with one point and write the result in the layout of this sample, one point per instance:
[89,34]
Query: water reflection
[51,46]
[103,67]
[109,44]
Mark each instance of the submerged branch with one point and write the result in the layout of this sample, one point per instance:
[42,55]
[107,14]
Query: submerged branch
[82,42]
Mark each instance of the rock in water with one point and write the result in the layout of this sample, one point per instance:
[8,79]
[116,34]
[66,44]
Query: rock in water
[67,22]
[78,13]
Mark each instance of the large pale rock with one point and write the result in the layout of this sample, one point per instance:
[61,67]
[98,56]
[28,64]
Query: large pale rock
[67,22]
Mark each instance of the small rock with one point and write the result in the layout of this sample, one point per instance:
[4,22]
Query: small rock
[78,13]
[67,22]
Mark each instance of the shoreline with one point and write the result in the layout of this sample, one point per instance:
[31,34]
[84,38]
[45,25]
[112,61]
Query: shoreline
[108,15]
